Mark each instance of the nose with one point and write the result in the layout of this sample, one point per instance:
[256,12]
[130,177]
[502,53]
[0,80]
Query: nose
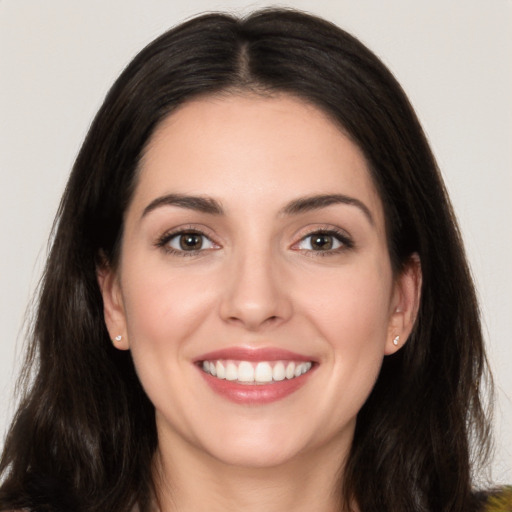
[255,294]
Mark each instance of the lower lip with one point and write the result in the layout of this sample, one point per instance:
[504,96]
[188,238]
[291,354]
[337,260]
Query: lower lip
[255,393]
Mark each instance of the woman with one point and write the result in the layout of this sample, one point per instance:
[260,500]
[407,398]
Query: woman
[257,296]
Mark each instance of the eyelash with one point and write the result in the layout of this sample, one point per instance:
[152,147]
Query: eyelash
[346,242]
[163,241]
[340,236]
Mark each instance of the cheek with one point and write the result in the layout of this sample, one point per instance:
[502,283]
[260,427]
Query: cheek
[163,309]
[351,306]
[353,322]
[351,316]
[164,305]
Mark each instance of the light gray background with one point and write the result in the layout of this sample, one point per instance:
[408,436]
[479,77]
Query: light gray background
[59,57]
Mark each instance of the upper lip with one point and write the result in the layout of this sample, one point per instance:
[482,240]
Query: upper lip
[253,354]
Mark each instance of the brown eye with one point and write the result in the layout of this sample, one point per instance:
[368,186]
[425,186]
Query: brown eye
[190,241]
[187,241]
[321,242]
[329,242]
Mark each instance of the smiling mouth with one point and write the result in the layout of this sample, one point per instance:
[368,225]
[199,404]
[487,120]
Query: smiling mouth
[252,372]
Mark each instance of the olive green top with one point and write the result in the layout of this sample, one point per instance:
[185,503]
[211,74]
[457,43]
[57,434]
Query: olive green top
[500,501]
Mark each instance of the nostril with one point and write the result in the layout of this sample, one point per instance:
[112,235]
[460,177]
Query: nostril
[254,306]
[256,321]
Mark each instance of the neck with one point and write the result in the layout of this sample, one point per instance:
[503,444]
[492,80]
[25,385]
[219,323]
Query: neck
[187,480]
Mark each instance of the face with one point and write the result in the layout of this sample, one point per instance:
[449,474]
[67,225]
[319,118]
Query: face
[254,288]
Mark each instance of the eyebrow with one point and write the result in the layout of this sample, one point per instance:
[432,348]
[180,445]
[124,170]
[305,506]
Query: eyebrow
[197,203]
[297,206]
[316,202]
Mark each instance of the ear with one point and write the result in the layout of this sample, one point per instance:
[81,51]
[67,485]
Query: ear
[405,305]
[113,308]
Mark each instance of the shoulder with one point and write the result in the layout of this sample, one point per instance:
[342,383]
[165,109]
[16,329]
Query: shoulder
[499,500]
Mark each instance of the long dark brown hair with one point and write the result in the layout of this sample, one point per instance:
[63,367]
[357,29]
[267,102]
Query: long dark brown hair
[84,436]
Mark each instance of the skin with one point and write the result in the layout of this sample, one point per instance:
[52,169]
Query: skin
[257,282]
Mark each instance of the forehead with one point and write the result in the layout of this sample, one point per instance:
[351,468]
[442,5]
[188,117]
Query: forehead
[253,149]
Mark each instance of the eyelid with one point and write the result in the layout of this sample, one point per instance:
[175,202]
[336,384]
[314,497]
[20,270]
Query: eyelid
[340,234]
[163,240]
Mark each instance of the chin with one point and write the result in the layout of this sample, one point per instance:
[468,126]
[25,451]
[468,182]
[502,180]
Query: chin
[257,457]
[264,447]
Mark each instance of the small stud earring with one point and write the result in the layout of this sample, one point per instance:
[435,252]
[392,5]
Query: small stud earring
[118,337]
[395,341]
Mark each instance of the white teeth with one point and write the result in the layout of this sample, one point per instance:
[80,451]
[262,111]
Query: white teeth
[231,372]
[245,372]
[221,371]
[278,371]
[262,372]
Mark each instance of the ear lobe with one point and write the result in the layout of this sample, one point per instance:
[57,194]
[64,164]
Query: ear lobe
[406,303]
[113,308]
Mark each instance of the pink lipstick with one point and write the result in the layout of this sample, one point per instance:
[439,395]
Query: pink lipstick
[255,376]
